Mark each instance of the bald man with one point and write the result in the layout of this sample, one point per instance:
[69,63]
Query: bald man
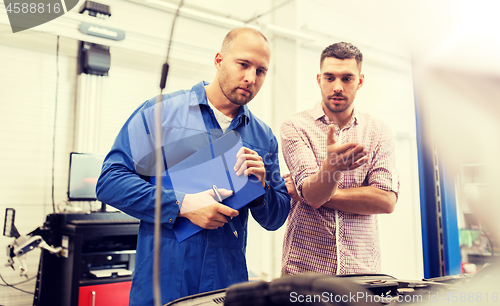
[191,119]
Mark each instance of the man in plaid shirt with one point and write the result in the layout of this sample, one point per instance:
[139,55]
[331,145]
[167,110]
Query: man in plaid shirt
[342,174]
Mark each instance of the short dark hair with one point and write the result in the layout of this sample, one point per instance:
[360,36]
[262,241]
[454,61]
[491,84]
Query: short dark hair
[342,50]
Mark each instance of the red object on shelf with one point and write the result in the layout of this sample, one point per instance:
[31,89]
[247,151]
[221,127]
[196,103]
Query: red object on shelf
[115,294]
[468,268]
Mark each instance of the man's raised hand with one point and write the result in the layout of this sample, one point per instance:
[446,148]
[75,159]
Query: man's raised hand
[343,157]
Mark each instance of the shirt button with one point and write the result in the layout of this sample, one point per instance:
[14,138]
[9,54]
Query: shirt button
[177,202]
[170,220]
[264,204]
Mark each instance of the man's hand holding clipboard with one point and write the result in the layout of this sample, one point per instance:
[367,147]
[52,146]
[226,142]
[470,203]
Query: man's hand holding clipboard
[237,171]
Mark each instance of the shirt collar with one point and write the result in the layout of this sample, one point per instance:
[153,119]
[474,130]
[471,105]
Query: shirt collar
[201,99]
[319,113]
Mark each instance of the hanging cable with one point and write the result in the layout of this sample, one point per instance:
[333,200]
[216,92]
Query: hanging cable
[158,162]
[54,131]
[13,286]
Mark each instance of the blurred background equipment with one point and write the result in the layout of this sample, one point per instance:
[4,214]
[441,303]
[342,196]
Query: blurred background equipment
[92,263]
[23,243]
[96,263]
[84,170]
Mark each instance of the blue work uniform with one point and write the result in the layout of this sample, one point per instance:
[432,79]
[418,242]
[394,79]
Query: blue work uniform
[210,259]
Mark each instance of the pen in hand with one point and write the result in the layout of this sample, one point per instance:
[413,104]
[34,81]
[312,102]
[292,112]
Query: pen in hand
[219,199]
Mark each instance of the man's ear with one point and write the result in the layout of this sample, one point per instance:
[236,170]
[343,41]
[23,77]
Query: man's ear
[361,80]
[318,78]
[218,60]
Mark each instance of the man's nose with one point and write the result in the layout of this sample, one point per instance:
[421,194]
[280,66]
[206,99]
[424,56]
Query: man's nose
[250,76]
[337,86]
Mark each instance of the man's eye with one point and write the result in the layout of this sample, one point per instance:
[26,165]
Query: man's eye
[243,65]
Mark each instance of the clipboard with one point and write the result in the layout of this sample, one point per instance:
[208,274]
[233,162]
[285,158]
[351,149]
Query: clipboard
[213,165]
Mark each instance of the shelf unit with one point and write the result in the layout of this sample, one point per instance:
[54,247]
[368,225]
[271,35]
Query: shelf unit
[470,186]
[96,241]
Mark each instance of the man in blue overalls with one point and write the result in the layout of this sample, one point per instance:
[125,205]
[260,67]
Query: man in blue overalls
[212,258]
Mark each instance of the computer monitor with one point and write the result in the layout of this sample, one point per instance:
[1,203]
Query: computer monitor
[84,170]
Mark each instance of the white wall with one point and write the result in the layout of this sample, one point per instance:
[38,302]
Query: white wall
[28,85]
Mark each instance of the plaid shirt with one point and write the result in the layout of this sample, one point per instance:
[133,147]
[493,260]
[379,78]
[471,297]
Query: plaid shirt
[316,239]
